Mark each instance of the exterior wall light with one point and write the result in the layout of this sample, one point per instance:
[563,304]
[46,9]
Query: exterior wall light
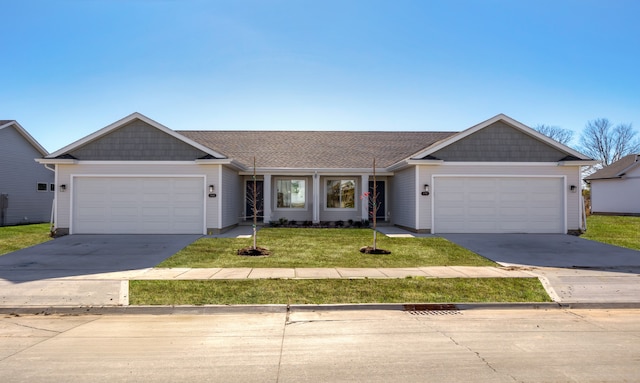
[573,188]
[426,190]
[63,187]
[212,190]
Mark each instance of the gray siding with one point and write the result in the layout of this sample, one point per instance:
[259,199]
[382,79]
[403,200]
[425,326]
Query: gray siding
[137,141]
[19,176]
[232,197]
[500,142]
[403,198]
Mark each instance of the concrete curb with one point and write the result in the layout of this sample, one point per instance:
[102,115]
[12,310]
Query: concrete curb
[247,309]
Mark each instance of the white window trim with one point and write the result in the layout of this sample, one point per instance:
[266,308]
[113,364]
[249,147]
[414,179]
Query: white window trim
[355,203]
[274,184]
[45,190]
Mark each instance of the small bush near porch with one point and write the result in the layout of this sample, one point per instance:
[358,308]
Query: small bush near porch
[324,248]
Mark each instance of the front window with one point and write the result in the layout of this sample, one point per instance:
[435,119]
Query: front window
[291,194]
[341,194]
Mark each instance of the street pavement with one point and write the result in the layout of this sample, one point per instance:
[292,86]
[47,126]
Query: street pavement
[304,345]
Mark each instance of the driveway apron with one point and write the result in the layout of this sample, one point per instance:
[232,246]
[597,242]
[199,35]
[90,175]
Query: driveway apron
[572,269]
[47,274]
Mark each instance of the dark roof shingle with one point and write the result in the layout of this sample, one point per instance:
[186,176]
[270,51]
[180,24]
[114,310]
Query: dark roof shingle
[316,149]
[614,170]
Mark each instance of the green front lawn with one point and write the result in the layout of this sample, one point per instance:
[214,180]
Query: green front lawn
[614,230]
[14,238]
[324,248]
[286,291]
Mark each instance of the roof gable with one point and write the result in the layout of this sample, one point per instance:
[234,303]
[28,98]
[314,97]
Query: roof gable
[8,124]
[617,169]
[135,138]
[500,139]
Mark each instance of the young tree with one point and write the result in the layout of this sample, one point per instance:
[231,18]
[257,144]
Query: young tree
[607,143]
[372,197]
[253,201]
[563,136]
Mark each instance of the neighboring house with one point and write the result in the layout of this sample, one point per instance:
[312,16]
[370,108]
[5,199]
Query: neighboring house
[26,187]
[615,189]
[138,176]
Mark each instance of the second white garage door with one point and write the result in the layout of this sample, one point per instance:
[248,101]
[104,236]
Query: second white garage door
[138,205]
[498,205]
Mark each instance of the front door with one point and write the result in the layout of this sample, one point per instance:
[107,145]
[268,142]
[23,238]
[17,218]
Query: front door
[381,209]
[259,200]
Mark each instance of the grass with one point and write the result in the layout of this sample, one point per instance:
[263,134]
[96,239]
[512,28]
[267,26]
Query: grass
[614,230]
[14,238]
[285,291]
[324,248]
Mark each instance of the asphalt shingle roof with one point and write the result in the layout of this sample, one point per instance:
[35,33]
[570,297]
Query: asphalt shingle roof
[316,149]
[614,170]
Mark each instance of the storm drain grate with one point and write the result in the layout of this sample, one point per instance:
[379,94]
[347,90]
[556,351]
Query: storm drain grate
[432,309]
[435,312]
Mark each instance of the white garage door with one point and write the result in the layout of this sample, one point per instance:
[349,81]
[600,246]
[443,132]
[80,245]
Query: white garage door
[498,205]
[140,205]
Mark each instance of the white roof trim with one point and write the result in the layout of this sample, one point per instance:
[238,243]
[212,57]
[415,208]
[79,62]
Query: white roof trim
[630,167]
[133,116]
[53,161]
[23,132]
[500,117]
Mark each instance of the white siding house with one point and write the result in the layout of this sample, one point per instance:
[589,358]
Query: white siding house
[615,189]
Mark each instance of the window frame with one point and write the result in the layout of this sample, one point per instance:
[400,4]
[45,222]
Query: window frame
[326,194]
[290,179]
[42,187]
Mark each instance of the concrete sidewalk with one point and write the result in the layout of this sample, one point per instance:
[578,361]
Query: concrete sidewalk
[308,273]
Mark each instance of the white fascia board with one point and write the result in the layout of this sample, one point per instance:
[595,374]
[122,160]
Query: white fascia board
[23,132]
[627,169]
[133,116]
[54,161]
[407,163]
[578,163]
[312,171]
[516,124]
[226,161]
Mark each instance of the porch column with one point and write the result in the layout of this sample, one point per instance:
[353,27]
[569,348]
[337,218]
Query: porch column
[266,195]
[316,198]
[365,201]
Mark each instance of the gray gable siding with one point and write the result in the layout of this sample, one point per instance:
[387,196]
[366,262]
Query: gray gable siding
[19,176]
[499,142]
[137,141]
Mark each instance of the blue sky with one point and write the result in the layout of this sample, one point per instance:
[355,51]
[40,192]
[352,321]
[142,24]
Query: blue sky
[69,68]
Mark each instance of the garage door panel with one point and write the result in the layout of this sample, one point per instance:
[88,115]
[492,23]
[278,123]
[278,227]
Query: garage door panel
[131,205]
[498,204]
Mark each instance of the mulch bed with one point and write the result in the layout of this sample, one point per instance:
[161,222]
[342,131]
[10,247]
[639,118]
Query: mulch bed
[371,250]
[257,252]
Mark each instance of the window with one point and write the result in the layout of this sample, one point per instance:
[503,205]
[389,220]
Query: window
[291,194]
[341,194]
[52,187]
[43,187]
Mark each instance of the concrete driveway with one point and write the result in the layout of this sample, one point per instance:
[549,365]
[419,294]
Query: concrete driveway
[572,269]
[50,273]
